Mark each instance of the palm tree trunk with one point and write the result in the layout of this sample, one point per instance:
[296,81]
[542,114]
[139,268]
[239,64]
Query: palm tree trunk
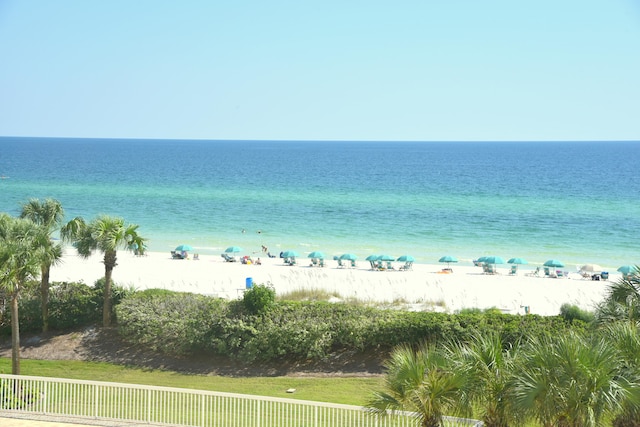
[44,296]
[15,335]
[109,264]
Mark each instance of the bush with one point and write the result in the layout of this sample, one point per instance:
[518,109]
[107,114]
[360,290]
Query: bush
[259,299]
[71,304]
[571,313]
[258,328]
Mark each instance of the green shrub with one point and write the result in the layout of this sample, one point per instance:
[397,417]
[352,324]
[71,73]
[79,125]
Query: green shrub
[258,328]
[72,304]
[259,299]
[571,313]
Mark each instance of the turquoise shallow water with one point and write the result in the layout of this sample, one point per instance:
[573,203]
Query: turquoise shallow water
[574,201]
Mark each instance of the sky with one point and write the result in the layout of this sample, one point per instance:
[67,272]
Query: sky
[430,70]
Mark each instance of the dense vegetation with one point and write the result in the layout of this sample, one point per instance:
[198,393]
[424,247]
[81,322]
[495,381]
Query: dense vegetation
[258,327]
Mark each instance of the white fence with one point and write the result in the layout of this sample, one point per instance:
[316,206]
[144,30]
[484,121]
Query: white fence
[93,400]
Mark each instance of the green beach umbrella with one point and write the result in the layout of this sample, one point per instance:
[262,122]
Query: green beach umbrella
[348,257]
[233,249]
[553,263]
[185,248]
[406,258]
[316,254]
[517,261]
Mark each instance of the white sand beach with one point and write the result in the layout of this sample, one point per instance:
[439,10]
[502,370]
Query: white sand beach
[424,287]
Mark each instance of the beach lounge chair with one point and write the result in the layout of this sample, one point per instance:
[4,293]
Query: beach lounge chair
[514,270]
[534,273]
[176,255]
[559,273]
[489,269]
[228,258]
[407,266]
[353,264]
[321,262]
[340,264]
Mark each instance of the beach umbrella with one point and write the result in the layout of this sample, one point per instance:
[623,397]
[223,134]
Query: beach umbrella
[591,268]
[553,263]
[517,261]
[627,269]
[290,254]
[493,260]
[482,259]
[406,258]
[233,250]
[385,258]
[348,257]
[372,257]
[448,259]
[316,254]
[185,248]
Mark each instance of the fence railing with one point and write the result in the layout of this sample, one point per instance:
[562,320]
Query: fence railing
[93,400]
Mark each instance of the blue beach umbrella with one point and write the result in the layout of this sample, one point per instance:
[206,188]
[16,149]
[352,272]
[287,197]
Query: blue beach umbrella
[517,261]
[553,263]
[406,258]
[233,249]
[348,257]
[493,260]
[627,269]
[385,258]
[290,254]
[372,257]
[316,254]
[185,248]
[448,259]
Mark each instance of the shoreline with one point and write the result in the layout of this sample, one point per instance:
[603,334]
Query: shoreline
[423,288]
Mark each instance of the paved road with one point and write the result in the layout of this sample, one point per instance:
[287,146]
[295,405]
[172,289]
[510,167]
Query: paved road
[54,422]
[15,422]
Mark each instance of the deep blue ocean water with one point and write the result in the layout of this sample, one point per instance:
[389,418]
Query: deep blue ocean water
[575,201]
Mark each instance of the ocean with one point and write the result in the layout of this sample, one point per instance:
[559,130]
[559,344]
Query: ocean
[578,202]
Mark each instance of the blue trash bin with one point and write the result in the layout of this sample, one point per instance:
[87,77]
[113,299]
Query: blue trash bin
[249,282]
[605,275]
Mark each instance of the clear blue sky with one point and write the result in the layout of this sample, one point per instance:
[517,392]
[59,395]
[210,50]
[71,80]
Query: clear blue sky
[321,70]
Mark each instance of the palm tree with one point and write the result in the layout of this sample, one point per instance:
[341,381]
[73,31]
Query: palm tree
[106,234]
[489,367]
[48,214]
[20,240]
[626,338]
[420,381]
[571,381]
[622,301]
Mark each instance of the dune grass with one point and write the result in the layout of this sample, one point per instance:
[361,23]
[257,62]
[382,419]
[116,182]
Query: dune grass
[350,390]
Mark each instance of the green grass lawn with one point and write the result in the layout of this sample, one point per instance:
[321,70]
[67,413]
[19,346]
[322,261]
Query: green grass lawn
[347,390]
